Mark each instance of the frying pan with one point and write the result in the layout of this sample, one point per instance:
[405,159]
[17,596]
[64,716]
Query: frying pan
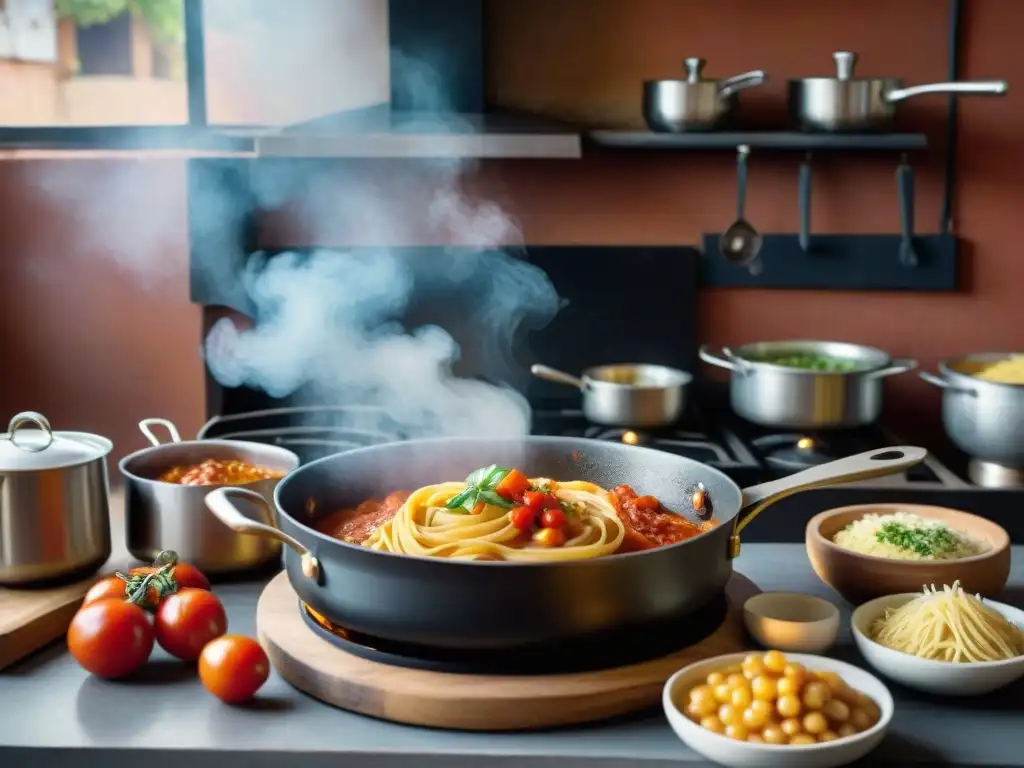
[461,605]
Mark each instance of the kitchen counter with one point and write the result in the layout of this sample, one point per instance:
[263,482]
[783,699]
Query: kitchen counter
[51,706]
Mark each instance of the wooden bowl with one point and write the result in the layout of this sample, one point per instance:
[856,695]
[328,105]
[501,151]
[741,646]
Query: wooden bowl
[859,578]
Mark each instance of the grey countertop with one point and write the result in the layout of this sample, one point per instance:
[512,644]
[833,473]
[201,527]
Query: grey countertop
[52,706]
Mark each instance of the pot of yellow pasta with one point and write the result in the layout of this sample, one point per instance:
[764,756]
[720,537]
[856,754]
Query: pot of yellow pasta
[983,405]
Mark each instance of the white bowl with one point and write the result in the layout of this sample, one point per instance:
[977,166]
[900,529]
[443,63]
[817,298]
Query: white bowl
[790,621]
[936,677]
[745,754]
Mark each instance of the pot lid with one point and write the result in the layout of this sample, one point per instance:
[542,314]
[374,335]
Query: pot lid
[23,448]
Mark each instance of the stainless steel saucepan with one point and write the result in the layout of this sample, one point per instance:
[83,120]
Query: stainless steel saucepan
[846,103]
[694,104]
[627,395]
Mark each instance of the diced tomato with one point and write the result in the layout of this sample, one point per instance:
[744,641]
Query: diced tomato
[646,502]
[624,492]
[513,485]
[478,508]
[553,518]
[538,501]
[522,517]
[549,537]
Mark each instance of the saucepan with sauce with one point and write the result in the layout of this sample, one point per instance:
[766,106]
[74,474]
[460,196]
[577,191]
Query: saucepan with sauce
[495,544]
[164,490]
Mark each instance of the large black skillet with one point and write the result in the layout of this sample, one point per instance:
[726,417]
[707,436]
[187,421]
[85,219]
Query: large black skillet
[499,605]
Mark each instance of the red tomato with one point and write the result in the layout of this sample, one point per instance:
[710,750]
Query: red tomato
[522,517]
[110,638]
[185,574]
[513,485]
[539,501]
[553,518]
[233,668]
[110,588]
[187,620]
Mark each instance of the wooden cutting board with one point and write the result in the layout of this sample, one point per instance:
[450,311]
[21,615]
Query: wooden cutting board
[33,618]
[468,701]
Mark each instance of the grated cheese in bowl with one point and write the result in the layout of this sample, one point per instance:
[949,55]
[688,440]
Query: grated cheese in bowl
[903,536]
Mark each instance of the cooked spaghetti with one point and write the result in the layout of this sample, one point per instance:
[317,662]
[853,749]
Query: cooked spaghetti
[426,526]
[950,625]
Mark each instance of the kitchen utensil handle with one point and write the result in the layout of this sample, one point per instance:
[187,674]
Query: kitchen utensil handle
[941,383]
[804,188]
[24,419]
[901,365]
[977,87]
[220,504]
[863,466]
[845,63]
[146,428]
[727,361]
[754,77]
[694,69]
[905,189]
[558,377]
[741,178]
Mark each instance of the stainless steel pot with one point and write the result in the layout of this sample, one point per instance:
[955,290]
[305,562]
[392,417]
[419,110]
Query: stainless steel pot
[780,396]
[627,395]
[505,606]
[985,419]
[54,504]
[845,103]
[671,106]
[161,516]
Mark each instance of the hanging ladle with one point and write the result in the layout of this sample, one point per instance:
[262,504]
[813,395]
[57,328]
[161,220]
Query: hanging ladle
[740,244]
[905,189]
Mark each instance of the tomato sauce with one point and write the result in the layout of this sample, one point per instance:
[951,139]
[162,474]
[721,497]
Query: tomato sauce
[356,525]
[649,524]
[216,472]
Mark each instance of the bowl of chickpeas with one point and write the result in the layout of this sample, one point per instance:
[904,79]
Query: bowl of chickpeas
[776,710]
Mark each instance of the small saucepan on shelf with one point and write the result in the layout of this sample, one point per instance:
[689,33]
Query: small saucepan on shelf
[694,103]
[165,488]
[848,103]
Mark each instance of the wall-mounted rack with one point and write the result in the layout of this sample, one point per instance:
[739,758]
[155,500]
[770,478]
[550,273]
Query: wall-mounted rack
[790,141]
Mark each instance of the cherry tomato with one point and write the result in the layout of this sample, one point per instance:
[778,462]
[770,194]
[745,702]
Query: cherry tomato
[110,638]
[187,620]
[549,537]
[110,588]
[538,501]
[186,574]
[553,518]
[522,517]
[233,668]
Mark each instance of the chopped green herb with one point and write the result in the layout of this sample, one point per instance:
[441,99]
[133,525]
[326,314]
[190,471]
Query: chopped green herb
[481,487]
[926,542]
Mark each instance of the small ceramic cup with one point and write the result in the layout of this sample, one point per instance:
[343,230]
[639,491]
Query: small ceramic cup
[789,621]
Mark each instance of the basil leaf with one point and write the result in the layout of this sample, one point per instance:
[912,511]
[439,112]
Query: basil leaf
[459,500]
[490,497]
[477,477]
[493,480]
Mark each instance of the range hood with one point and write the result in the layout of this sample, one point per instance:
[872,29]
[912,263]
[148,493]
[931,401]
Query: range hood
[382,132]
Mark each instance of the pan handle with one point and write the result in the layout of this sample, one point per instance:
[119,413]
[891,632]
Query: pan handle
[900,365]
[219,502]
[992,87]
[863,466]
[728,360]
[941,383]
[727,88]
[558,377]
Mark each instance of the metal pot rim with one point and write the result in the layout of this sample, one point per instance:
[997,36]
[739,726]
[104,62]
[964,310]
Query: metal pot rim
[891,81]
[684,377]
[289,457]
[947,370]
[883,359]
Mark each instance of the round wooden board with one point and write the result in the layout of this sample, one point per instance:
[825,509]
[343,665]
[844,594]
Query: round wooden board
[473,702]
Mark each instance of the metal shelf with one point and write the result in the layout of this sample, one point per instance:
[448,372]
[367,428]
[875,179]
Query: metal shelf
[783,141]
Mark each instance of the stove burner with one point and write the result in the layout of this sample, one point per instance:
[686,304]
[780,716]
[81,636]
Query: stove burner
[793,452]
[987,474]
[605,651]
[693,445]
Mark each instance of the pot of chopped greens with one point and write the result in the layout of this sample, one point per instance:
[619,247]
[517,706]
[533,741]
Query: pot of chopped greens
[807,384]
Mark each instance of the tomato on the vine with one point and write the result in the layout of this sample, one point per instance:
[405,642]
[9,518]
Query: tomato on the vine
[110,638]
[233,668]
[186,574]
[187,620]
[110,588]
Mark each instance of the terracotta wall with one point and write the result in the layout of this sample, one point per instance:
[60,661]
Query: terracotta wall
[96,342]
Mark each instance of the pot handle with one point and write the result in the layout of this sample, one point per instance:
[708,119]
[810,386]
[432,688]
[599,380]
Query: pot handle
[25,418]
[728,360]
[219,502]
[727,88]
[941,383]
[558,377]
[992,87]
[146,425]
[901,365]
[863,466]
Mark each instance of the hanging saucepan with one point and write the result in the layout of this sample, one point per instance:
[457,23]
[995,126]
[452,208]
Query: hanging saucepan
[694,104]
[845,103]
[627,395]
[486,605]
